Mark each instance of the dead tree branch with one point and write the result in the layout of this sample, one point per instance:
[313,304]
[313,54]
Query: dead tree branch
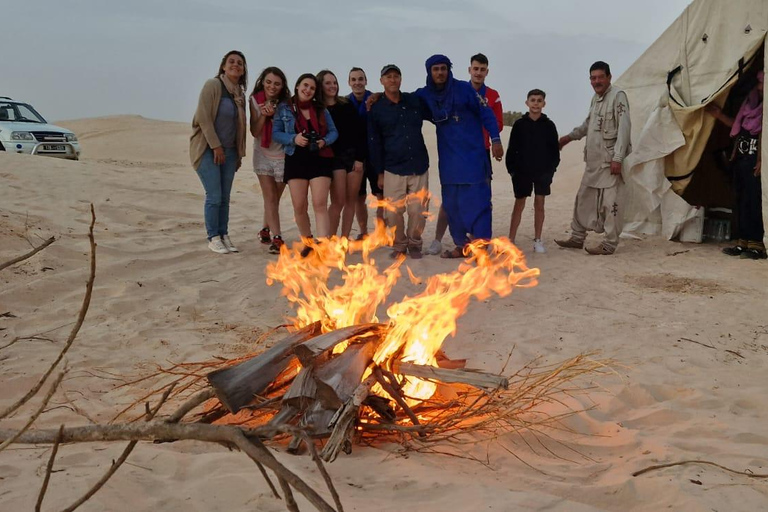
[681,463]
[48,470]
[72,335]
[246,440]
[120,460]
[31,253]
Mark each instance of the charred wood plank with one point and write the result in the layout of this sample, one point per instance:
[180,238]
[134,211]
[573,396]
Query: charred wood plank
[235,386]
[344,422]
[313,348]
[337,379]
[476,378]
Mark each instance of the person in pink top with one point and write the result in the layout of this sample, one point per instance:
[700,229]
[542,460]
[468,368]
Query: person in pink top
[746,130]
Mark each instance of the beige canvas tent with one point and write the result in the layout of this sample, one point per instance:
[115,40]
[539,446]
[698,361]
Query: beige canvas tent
[711,53]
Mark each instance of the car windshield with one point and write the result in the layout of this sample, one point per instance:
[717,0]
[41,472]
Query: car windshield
[19,113]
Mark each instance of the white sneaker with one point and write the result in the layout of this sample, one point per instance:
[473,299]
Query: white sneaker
[228,243]
[434,248]
[217,246]
[538,245]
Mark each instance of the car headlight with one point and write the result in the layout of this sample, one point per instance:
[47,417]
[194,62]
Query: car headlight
[21,136]
[70,137]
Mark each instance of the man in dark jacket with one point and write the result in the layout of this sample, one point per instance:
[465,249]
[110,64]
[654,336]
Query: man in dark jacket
[533,155]
[398,154]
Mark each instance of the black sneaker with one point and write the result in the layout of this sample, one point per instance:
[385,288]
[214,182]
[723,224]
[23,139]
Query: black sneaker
[277,243]
[736,250]
[753,254]
[264,235]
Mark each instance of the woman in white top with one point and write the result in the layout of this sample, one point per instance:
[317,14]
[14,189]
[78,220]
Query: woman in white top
[271,88]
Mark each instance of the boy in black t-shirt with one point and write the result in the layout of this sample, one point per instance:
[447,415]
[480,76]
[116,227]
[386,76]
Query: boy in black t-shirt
[533,155]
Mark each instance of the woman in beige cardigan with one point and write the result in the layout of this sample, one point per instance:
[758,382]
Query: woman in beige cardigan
[217,145]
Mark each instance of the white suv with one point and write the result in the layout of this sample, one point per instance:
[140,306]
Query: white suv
[23,130]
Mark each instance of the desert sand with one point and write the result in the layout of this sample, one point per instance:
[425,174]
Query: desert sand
[686,325]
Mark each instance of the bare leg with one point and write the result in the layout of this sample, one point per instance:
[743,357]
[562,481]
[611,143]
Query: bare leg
[380,210]
[442,224]
[320,188]
[538,215]
[517,214]
[361,211]
[338,196]
[354,179]
[299,189]
[271,191]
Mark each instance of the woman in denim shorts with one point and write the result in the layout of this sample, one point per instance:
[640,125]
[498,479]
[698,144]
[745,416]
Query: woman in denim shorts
[271,88]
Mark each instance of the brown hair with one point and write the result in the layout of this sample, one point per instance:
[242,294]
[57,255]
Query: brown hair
[243,79]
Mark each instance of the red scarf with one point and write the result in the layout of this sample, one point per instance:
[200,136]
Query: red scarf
[266,131]
[304,125]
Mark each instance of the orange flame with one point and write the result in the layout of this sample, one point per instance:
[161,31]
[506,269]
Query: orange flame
[419,324]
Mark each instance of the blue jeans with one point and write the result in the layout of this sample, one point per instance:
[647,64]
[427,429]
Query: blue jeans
[217,181]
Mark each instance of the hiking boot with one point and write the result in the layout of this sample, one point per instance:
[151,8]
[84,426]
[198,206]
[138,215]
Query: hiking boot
[753,254]
[228,243]
[538,245]
[735,250]
[264,235]
[217,246]
[396,254]
[571,243]
[277,243]
[436,247]
[415,254]
[600,250]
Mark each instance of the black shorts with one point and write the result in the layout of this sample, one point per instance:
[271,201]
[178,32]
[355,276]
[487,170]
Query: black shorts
[306,165]
[373,180]
[345,160]
[524,184]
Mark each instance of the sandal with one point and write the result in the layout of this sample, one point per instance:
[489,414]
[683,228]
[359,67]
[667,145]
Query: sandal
[455,253]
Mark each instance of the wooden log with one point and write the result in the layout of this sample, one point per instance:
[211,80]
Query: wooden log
[235,386]
[337,379]
[394,392]
[303,391]
[317,420]
[476,378]
[344,422]
[309,350]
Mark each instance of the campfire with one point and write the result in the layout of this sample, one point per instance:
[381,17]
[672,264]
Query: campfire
[345,375]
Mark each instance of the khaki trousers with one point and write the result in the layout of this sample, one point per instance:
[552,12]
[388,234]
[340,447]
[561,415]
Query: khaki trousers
[598,210]
[400,191]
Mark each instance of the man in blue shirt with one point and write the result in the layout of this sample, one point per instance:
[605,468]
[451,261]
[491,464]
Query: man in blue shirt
[398,154]
[459,115]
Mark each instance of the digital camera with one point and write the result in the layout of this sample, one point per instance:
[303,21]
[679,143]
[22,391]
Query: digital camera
[313,137]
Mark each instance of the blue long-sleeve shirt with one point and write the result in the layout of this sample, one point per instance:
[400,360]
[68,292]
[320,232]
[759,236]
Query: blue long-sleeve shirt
[461,149]
[395,141]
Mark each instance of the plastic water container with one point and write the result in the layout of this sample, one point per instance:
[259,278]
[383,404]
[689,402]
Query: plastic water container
[693,229]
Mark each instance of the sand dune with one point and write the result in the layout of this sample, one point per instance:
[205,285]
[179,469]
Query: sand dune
[687,324]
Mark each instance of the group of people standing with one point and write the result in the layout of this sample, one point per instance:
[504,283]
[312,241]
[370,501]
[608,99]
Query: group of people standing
[316,141]
[323,146]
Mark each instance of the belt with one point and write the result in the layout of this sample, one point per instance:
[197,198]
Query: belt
[746,145]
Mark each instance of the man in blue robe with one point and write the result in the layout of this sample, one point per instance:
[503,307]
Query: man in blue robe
[459,115]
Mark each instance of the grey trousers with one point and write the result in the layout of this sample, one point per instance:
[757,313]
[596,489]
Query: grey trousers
[598,210]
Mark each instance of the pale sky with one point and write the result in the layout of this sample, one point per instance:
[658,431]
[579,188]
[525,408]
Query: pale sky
[88,58]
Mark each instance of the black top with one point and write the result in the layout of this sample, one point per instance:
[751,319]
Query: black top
[395,142]
[533,147]
[352,136]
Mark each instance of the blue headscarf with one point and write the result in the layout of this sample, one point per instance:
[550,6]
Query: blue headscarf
[440,101]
